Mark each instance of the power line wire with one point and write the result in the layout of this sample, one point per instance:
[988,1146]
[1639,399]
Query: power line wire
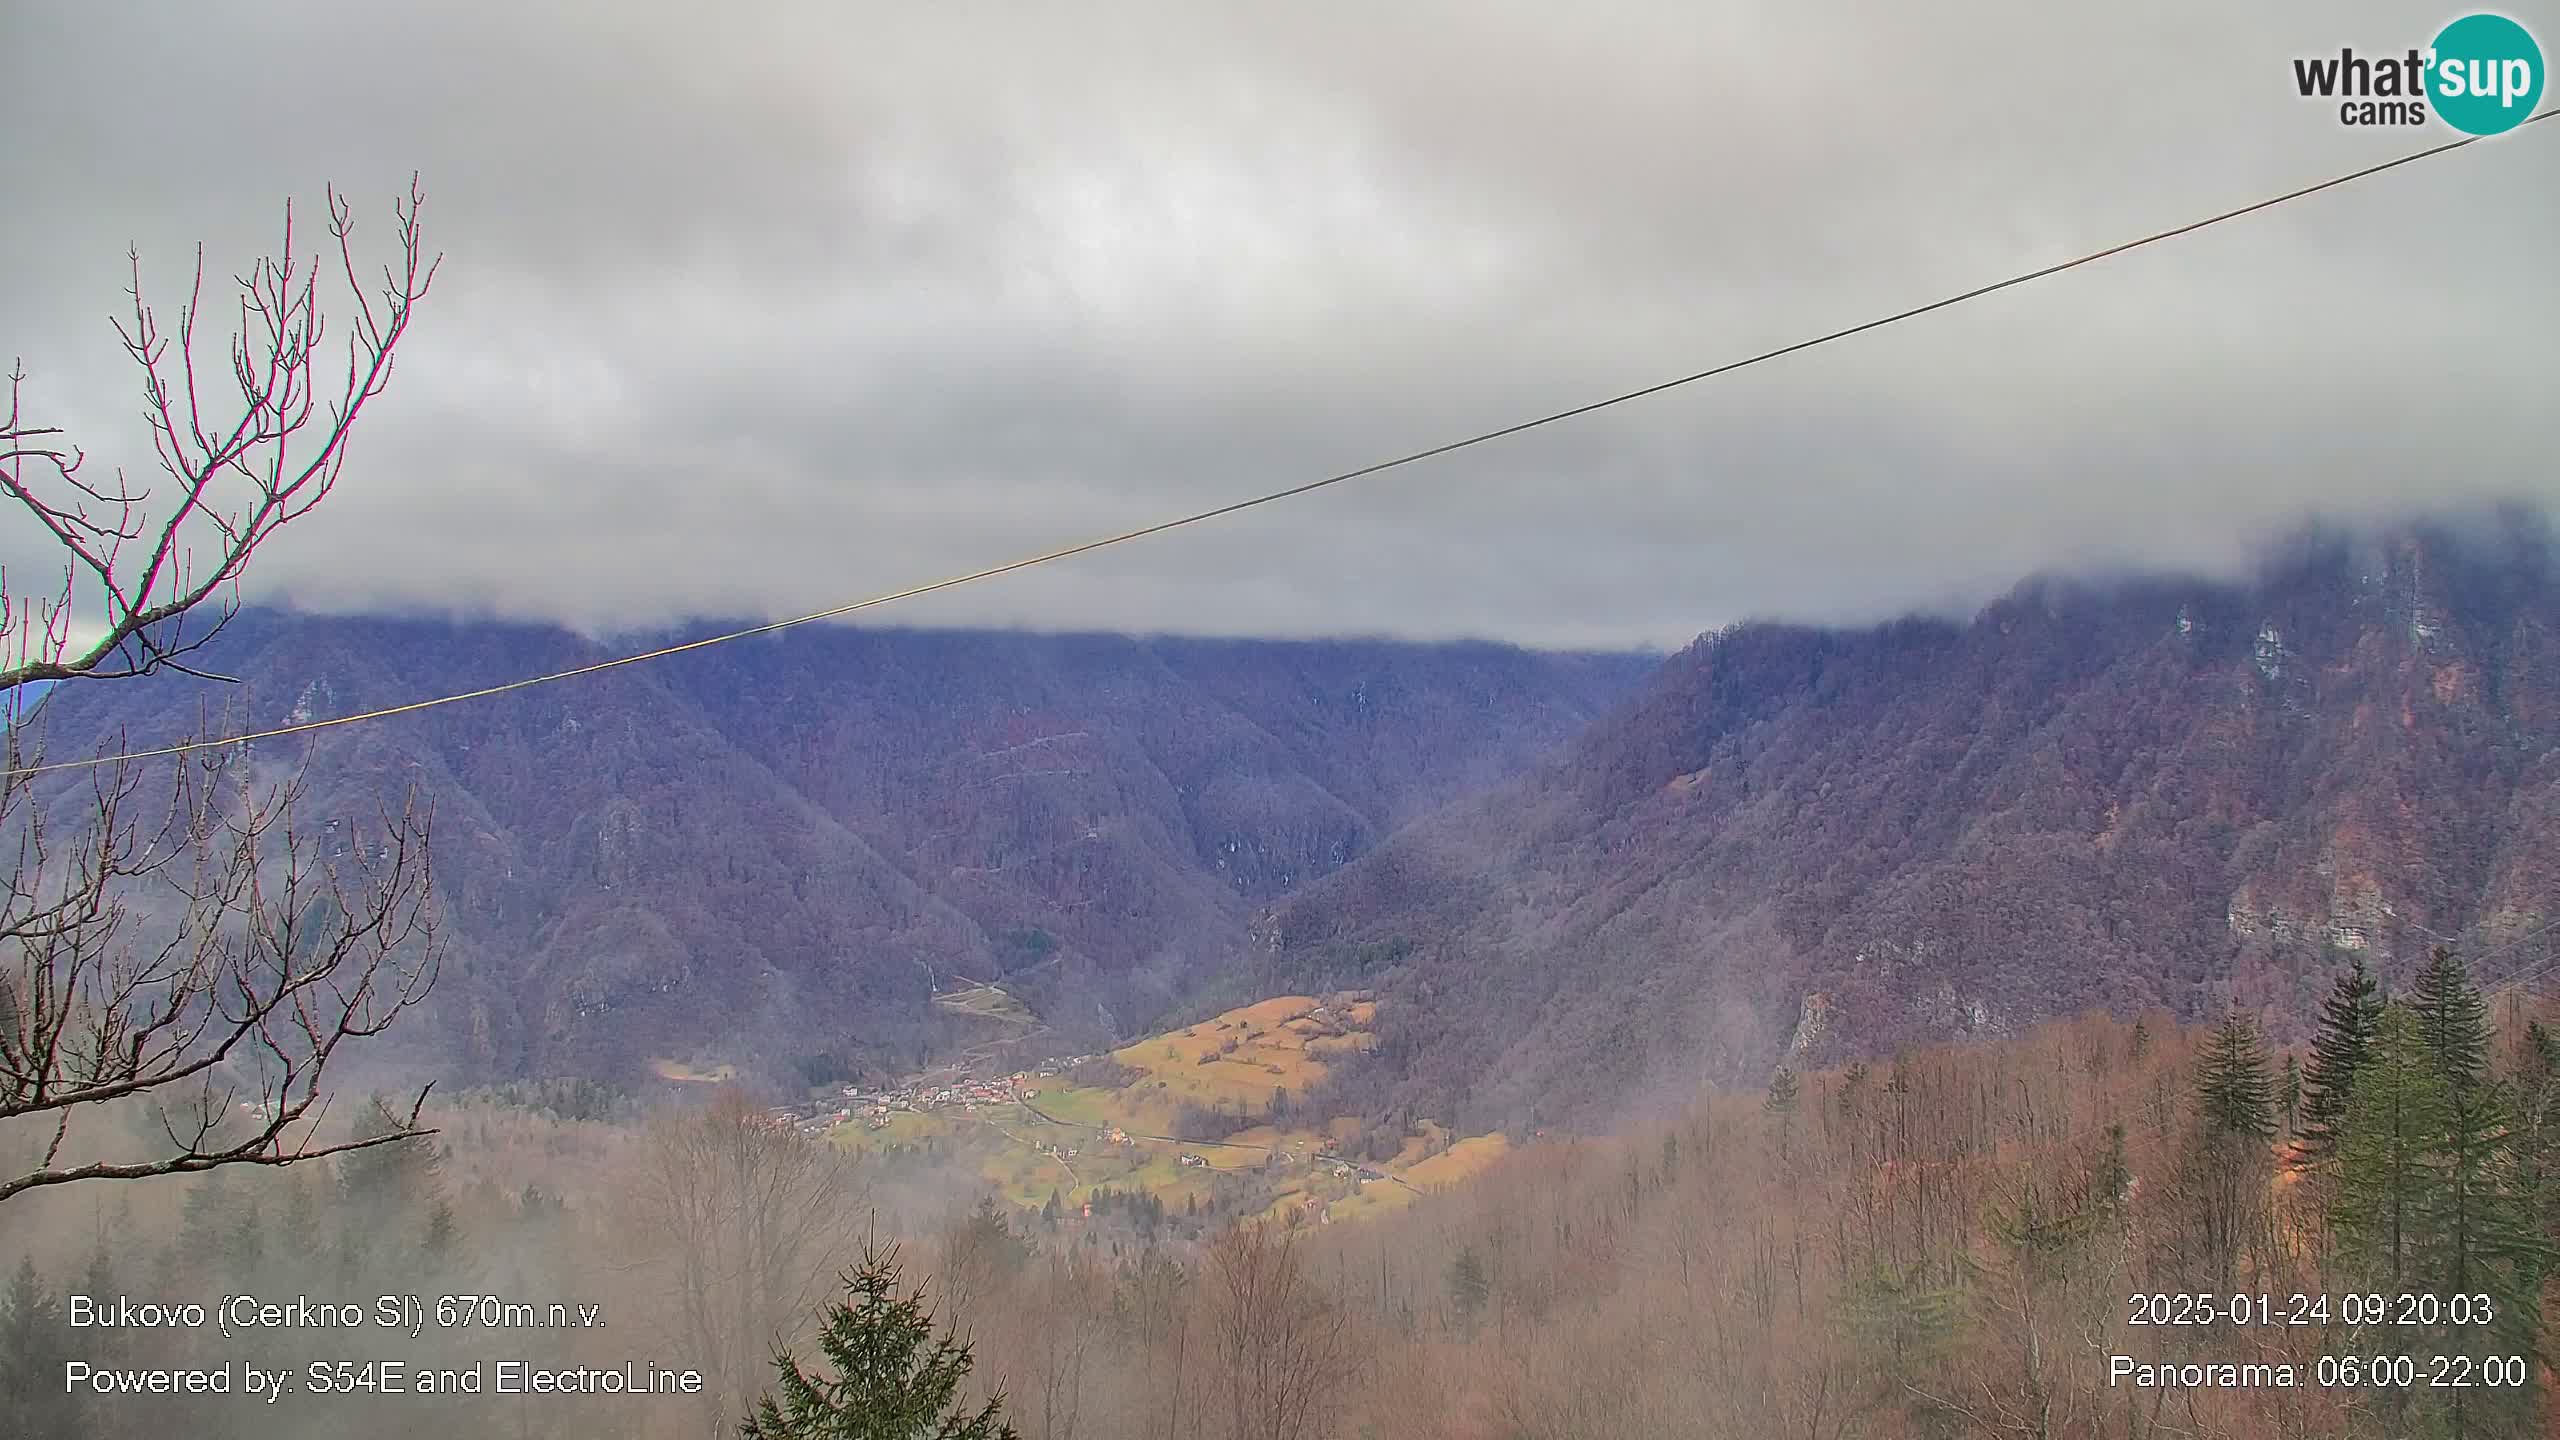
[2517,980]
[1272,497]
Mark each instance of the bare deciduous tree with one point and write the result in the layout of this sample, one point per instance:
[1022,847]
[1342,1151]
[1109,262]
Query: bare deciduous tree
[199,958]
[1283,1349]
[1069,1299]
[744,1222]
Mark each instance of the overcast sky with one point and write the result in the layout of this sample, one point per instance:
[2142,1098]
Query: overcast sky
[757,309]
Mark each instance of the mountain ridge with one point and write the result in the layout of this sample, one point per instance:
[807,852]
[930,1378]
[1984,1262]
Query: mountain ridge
[1809,844]
[780,848]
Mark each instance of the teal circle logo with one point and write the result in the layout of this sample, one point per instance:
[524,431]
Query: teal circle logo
[2484,74]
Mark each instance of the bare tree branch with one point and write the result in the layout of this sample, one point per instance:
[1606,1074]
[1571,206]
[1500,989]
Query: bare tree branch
[224,1013]
[235,478]
[203,959]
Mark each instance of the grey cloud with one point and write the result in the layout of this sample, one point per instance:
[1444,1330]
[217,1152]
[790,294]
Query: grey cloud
[757,312]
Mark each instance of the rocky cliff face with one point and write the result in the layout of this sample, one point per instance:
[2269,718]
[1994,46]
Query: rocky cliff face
[2124,795]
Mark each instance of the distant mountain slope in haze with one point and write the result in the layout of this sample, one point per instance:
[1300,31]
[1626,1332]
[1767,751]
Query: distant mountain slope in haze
[1816,843]
[777,849]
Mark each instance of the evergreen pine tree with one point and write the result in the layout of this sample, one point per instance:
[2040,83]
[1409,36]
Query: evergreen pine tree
[301,1239]
[991,1234]
[348,1254]
[2537,1104]
[33,1349]
[208,1226]
[2227,1156]
[441,1231]
[123,1235]
[384,1182]
[2453,1018]
[301,1210]
[1468,1285]
[2541,1063]
[386,1196]
[105,1346]
[2453,1024]
[1783,1089]
[244,1242]
[2112,1186]
[1901,1316]
[99,1277]
[2485,1235]
[2487,1241]
[2381,1208]
[2232,1086]
[2339,1050]
[895,1378]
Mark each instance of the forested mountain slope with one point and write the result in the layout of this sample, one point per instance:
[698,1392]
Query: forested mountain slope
[1819,842]
[777,850]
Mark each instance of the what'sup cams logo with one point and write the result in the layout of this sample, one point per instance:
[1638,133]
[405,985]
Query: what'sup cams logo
[2482,74]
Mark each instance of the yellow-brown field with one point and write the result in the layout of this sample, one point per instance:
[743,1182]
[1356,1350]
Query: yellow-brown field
[1237,1059]
[684,1074]
[1231,1062]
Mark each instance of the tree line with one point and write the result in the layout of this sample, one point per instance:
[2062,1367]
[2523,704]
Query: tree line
[1950,1241]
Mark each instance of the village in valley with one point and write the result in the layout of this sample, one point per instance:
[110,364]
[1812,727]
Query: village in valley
[1202,1121]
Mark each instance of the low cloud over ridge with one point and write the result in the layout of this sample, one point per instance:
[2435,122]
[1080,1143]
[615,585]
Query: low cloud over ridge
[752,315]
